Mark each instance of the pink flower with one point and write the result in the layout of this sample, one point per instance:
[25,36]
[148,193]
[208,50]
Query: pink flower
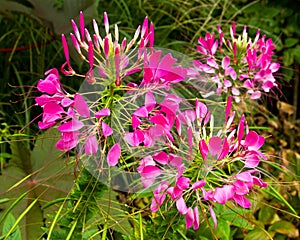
[51,84]
[161,71]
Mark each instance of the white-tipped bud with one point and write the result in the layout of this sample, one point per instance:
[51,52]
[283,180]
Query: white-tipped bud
[87,35]
[106,23]
[116,33]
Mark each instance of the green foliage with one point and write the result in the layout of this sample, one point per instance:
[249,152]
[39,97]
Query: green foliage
[168,226]
[8,224]
[39,176]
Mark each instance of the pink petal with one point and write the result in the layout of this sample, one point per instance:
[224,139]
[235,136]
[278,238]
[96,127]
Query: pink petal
[203,149]
[228,107]
[244,176]
[141,112]
[135,121]
[201,109]
[212,63]
[91,54]
[198,184]
[52,108]
[257,181]
[196,218]
[114,154]
[149,101]
[71,126]
[46,86]
[241,128]
[66,102]
[91,145]
[159,119]
[175,160]
[225,149]
[102,113]
[154,205]
[215,145]
[183,183]
[189,218]
[242,201]
[255,95]
[106,130]
[65,47]
[151,32]
[225,62]
[81,106]
[161,158]
[213,216]
[224,194]
[181,207]
[151,172]
[230,71]
[252,161]
[251,139]
[43,125]
[134,138]
[106,47]
[144,27]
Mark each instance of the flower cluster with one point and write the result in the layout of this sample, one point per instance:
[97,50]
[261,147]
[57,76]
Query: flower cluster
[181,157]
[239,66]
[67,111]
[235,148]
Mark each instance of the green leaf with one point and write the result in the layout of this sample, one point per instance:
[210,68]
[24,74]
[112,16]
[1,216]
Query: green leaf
[8,224]
[237,217]
[16,7]
[266,214]
[60,19]
[288,57]
[290,42]
[223,230]
[257,234]
[20,155]
[297,53]
[283,227]
[113,214]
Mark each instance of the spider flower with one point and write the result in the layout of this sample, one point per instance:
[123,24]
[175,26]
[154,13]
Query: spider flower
[108,57]
[236,148]
[240,66]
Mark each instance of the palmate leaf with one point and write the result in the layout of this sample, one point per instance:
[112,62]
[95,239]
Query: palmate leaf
[57,19]
[43,173]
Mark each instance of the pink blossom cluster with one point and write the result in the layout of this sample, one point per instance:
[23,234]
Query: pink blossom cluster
[237,147]
[241,67]
[185,158]
[68,111]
